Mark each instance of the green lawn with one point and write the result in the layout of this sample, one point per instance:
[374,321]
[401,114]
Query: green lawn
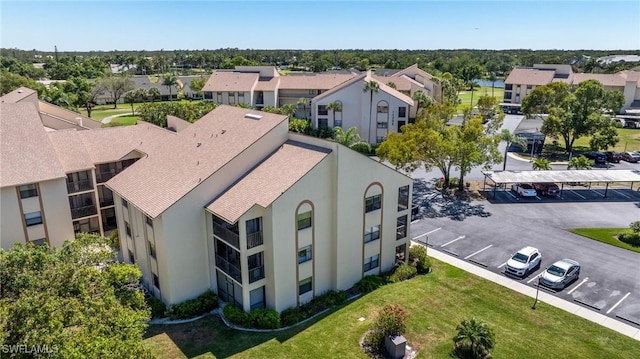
[435,304]
[465,96]
[101,111]
[605,235]
[629,139]
[125,120]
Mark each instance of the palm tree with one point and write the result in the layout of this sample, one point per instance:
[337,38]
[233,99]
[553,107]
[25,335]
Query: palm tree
[510,139]
[350,138]
[170,80]
[541,164]
[474,338]
[493,78]
[371,86]
[288,110]
[579,163]
[421,100]
[154,93]
[303,101]
[335,106]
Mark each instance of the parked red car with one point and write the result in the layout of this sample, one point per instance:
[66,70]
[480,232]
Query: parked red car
[613,157]
[547,189]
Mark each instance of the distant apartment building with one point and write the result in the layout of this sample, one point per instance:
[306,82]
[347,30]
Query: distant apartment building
[261,86]
[233,203]
[522,80]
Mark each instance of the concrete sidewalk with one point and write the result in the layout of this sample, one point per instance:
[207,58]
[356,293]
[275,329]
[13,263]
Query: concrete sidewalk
[589,314]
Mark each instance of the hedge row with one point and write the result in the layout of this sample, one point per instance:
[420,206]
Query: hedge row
[257,318]
[204,303]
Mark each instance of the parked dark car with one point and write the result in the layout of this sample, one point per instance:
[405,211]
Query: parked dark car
[547,189]
[613,157]
[633,157]
[597,157]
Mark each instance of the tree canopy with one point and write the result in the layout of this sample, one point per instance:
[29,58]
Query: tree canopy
[76,301]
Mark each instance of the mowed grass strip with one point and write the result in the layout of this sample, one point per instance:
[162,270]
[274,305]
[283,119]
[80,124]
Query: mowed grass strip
[435,304]
[605,235]
[125,120]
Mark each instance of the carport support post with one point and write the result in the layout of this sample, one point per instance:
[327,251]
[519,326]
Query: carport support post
[561,189]
[606,188]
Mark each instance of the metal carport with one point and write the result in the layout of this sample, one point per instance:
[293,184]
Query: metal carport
[562,177]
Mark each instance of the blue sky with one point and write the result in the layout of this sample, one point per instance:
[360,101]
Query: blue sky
[170,25]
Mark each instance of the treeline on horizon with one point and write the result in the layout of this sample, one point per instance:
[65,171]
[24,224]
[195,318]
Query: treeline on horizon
[184,62]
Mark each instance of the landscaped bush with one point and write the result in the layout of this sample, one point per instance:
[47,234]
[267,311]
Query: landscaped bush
[204,303]
[389,322]
[473,340]
[327,300]
[370,283]
[158,308]
[418,258]
[403,272]
[257,318]
[236,315]
[632,235]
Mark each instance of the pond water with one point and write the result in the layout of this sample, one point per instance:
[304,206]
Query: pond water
[499,83]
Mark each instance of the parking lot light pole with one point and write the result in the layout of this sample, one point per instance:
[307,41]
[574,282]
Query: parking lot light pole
[537,291]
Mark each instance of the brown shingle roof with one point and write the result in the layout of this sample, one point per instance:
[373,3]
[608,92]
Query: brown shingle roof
[268,181]
[403,83]
[231,81]
[70,150]
[16,95]
[313,81]
[26,153]
[529,76]
[179,164]
[604,79]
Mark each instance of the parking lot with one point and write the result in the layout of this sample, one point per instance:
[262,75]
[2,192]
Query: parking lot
[487,232]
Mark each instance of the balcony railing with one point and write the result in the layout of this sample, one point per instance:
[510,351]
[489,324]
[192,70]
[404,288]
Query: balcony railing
[106,202]
[254,239]
[256,274]
[229,268]
[78,186]
[83,211]
[227,235]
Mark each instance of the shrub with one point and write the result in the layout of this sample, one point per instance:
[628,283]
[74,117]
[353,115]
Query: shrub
[418,258]
[263,318]
[204,303]
[403,272]
[158,308]
[391,321]
[291,316]
[236,315]
[369,283]
[473,339]
[630,237]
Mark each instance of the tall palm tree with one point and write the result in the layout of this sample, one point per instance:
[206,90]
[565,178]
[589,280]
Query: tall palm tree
[350,138]
[288,110]
[371,86]
[130,97]
[335,106]
[579,163]
[474,337]
[303,101]
[170,80]
[510,139]
[493,78]
[541,164]
[421,100]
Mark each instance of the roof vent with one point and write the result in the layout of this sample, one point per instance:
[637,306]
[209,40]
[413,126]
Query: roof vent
[253,116]
[19,91]
[198,144]
[223,131]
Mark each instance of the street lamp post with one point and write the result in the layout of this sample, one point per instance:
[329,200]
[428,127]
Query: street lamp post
[537,291]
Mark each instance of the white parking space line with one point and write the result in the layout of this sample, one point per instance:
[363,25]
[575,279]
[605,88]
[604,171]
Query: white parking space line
[576,287]
[593,190]
[620,193]
[502,265]
[510,194]
[416,221]
[620,301]
[534,278]
[427,233]
[574,192]
[473,254]
[539,199]
[457,239]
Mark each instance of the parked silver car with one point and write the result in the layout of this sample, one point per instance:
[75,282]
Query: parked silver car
[560,273]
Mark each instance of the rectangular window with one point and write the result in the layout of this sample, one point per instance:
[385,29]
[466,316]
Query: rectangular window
[152,249]
[28,190]
[256,267]
[132,258]
[125,204]
[322,110]
[256,298]
[401,253]
[304,254]
[38,242]
[232,98]
[156,281]
[127,228]
[208,95]
[382,125]
[401,227]
[323,122]
[254,232]
[304,220]
[371,263]
[403,198]
[87,225]
[508,87]
[228,260]
[383,109]
[337,123]
[219,97]
[373,203]
[371,234]
[379,139]
[240,97]
[305,286]
[33,218]
[402,112]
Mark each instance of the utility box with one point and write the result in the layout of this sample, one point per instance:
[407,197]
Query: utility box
[395,346]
